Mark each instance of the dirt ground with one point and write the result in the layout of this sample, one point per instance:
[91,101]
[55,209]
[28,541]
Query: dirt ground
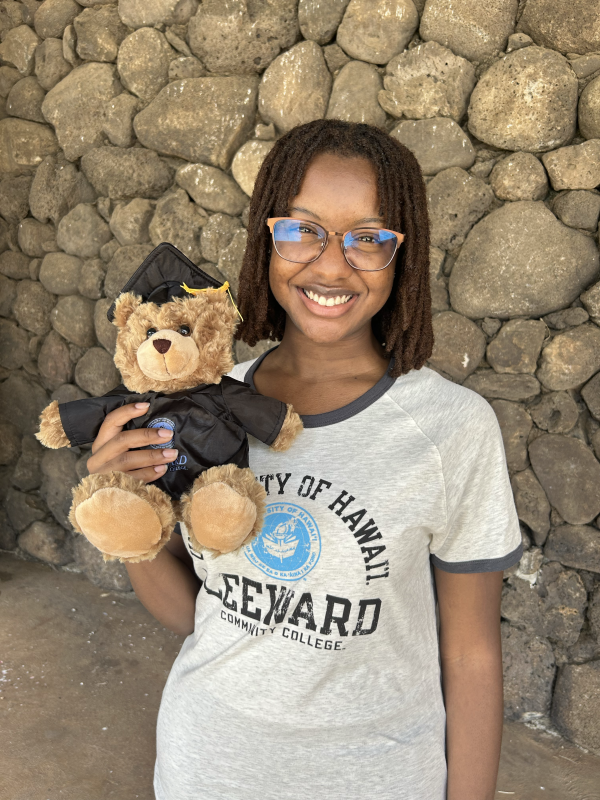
[81,675]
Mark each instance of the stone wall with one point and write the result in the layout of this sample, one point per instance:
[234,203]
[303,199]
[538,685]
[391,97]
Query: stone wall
[122,125]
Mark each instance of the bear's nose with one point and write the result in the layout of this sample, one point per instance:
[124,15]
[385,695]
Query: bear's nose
[162,345]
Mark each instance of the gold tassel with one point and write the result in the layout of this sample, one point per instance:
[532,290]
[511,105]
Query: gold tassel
[224,288]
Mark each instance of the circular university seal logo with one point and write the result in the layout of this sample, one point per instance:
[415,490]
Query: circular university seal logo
[162,422]
[288,546]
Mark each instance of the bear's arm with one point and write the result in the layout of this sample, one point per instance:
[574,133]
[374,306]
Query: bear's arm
[81,419]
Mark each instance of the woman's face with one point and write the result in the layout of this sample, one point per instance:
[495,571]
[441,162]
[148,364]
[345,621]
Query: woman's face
[340,194]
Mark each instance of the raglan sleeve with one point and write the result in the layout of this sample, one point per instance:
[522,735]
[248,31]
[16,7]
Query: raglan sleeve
[260,416]
[81,419]
[482,531]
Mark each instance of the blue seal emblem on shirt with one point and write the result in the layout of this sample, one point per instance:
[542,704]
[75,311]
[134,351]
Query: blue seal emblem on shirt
[289,544]
[162,422]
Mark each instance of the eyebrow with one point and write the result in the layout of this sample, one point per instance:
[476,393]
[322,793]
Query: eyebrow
[377,220]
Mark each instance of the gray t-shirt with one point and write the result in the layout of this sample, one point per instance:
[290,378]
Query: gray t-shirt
[313,670]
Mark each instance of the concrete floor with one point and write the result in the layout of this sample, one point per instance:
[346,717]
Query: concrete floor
[81,675]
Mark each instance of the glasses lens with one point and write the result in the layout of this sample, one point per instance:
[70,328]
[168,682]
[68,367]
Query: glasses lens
[370,249]
[298,241]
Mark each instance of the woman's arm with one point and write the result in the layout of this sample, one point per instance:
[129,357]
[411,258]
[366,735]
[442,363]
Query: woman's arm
[471,658]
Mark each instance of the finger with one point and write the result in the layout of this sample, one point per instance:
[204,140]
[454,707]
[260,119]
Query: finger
[149,474]
[115,420]
[128,440]
[133,459]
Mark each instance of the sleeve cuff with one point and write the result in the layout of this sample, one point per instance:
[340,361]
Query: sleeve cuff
[482,565]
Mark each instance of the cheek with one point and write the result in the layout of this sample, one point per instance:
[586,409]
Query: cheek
[280,273]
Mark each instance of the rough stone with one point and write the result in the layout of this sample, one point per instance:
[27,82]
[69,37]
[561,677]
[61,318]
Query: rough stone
[488,383]
[246,164]
[570,475]
[108,575]
[242,37]
[320,19]
[571,358]
[57,188]
[179,221]
[458,347]
[576,546]
[231,257]
[99,33]
[59,479]
[18,48]
[142,13]
[96,373]
[91,279]
[129,222]
[295,87]
[200,119]
[576,704]
[244,352]
[14,197]
[515,424]
[25,100]
[575,167]
[106,332]
[82,232]
[591,394]
[14,345]
[578,209]
[73,318]
[60,273]
[8,77]
[53,16]
[121,173]
[591,301]
[69,42]
[75,105]
[122,266]
[335,57]
[143,62]
[437,282]
[23,509]
[67,393]
[211,188]
[48,542]
[8,293]
[437,143]
[476,31]
[185,67]
[519,176]
[532,504]
[589,109]
[36,239]
[11,443]
[594,612]
[14,265]
[24,143]
[28,473]
[354,95]
[22,401]
[456,200]
[217,234]
[521,261]
[427,81]
[376,30]
[54,361]
[50,64]
[571,26]
[555,412]
[118,118]
[517,347]
[529,669]
[32,307]
[525,101]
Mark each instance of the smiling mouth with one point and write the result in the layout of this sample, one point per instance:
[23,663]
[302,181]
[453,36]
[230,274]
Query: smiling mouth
[331,300]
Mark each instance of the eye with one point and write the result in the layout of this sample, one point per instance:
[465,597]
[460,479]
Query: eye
[150,332]
[185,330]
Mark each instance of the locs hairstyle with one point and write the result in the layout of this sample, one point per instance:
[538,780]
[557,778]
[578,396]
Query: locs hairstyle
[403,325]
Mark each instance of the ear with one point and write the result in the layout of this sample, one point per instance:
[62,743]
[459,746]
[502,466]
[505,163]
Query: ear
[125,305]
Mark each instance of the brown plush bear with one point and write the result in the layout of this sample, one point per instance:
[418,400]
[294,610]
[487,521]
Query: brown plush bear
[173,350]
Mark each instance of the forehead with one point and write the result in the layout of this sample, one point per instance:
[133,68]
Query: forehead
[171,314]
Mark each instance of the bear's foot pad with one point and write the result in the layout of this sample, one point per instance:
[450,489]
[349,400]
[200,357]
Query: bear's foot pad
[221,518]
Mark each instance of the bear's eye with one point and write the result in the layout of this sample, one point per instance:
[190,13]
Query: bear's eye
[150,332]
[185,330]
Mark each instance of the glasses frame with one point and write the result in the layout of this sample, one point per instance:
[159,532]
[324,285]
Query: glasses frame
[273,220]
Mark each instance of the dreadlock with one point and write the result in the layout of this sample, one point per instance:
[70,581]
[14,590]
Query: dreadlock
[403,326]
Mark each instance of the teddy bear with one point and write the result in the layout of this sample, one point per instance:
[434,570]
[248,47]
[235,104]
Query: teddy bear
[174,347]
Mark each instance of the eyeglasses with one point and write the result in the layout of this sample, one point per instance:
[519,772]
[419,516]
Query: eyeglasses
[367,249]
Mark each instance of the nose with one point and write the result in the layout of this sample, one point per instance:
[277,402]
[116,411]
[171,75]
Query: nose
[162,345]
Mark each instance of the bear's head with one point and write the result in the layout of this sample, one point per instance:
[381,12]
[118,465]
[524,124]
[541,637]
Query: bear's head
[176,345]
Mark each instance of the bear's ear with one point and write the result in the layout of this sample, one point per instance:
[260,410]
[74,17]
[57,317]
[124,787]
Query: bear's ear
[125,305]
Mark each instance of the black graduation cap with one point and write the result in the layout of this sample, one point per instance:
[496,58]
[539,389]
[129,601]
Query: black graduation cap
[160,276]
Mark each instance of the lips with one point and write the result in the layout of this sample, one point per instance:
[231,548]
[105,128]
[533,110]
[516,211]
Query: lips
[332,304]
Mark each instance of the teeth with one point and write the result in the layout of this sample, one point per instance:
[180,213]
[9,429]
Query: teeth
[327,301]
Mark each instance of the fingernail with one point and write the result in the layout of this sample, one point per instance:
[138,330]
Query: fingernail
[165,433]
[160,469]
[169,453]
[142,405]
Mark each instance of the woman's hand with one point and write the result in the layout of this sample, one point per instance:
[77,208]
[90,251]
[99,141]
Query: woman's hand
[113,447]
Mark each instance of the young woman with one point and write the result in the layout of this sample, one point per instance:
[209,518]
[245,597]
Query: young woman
[314,666]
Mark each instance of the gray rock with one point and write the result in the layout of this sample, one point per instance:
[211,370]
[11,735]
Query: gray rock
[59,479]
[458,347]
[570,475]
[69,42]
[14,265]
[211,188]
[47,541]
[121,173]
[14,197]
[96,373]
[518,40]
[515,424]
[504,266]
[8,293]
[504,112]
[8,537]
[143,62]
[24,144]
[28,472]
[179,221]
[576,546]
[129,222]
[576,704]
[58,187]
[25,100]
[82,232]
[60,273]
[594,613]
[36,239]
[571,358]
[91,279]
[230,259]
[142,13]
[11,443]
[532,504]
[589,109]
[73,318]
[32,307]
[54,361]
[487,383]
[528,673]
[519,176]
[591,394]
[295,88]
[354,95]
[53,16]
[67,393]
[118,118]
[122,266]
[571,26]
[456,200]
[99,33]
[50,64]
[18,48]
[575,167]
[12,15]
[556,412]
[14,345]
[427,81]
[437,143]
[185,67]
[578,209]
[319,19]
[475,31]
[23,509]
[568,318]
[106,332]
[517,347]
[375,30]
[242,37]
[200,119]
[244,352]
[591,300]
[247,162]
[437,282]
[108,575]
[8,77]
[22,401]
[217,234]
[335,57]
